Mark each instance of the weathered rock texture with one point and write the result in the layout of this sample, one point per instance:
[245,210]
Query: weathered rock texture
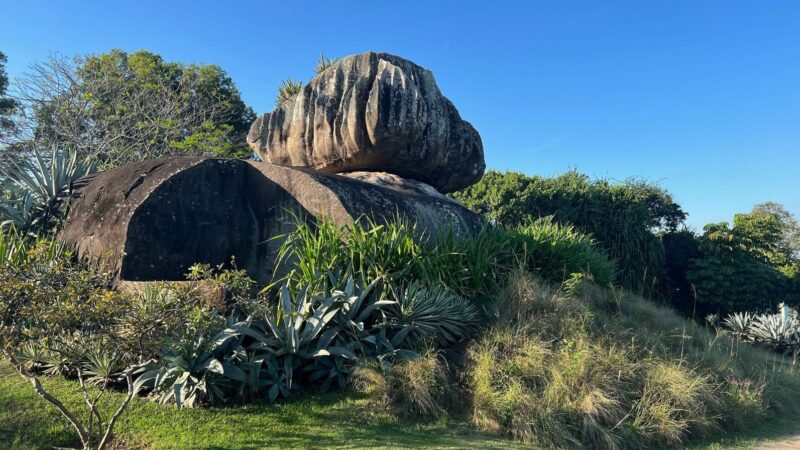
[373,112]
[152,220]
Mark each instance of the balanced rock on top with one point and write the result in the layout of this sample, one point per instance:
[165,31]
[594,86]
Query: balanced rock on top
[373,112]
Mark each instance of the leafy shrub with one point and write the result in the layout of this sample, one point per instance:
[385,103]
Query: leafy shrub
[557,251]
[471,266]
[623,217]
[369,250]
[19,251]
[58,317]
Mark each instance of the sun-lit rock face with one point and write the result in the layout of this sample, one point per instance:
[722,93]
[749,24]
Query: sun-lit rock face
[373,112]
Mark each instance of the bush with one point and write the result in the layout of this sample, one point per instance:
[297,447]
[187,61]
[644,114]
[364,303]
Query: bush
[302,341]
[556,251]
[59,317]
[475,267]
[623,217]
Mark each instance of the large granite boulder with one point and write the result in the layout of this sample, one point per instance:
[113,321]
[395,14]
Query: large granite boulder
[152,220]
[373,112]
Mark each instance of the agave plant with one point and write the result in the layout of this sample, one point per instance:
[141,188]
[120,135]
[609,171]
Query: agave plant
[361,312]
[262,375]
[296,327]
[434,315]
[17,209]
[739,324]
[295,331]
[57,359]
[192,373]
[39,188]
[776,330]
[31,356]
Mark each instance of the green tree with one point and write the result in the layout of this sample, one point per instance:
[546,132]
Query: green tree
[790,229]
[121,107]
[7,104]
[761,235]
[735,272]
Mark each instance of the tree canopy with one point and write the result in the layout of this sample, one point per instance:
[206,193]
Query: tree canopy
[789,228]
[739,269]
[119,107]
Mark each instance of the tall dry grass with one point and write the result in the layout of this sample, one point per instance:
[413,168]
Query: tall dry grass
[605,369]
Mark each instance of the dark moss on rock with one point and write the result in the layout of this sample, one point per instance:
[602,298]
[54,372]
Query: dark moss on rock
[152,220]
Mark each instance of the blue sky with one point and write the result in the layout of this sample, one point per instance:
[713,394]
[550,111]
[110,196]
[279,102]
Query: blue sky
[701,96]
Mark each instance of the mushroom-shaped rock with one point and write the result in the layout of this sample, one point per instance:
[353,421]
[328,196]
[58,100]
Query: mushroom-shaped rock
[373,112]
[154,219]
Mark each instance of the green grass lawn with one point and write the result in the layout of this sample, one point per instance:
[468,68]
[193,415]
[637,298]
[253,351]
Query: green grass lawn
[309,421]
[321,421]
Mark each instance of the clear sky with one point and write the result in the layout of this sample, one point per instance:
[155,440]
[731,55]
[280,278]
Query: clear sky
[702,96]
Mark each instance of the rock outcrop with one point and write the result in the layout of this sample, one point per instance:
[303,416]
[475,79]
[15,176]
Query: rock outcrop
[373,112]
[152,220]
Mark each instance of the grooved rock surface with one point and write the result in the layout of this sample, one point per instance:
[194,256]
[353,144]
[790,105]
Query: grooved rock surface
[152,220]
[373,112]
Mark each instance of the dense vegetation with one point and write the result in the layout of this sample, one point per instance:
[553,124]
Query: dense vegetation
[750,266]
[556,364]
[538,327]
[118,108]
[623,217]
[744,267]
